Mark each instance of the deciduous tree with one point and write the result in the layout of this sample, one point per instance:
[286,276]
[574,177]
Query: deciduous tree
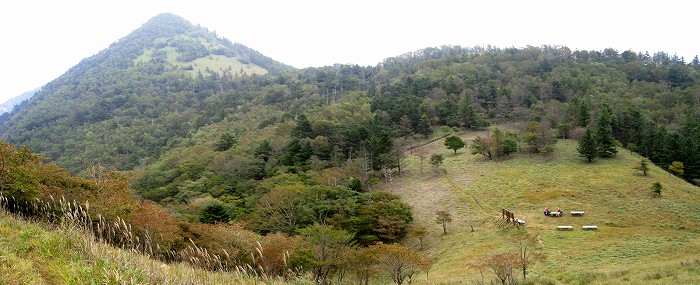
[399,262]
[329,247]
[482,145]
[527,252]
[419,232]
[510,146]
[436,160]
[444,218]
[454,143]
[677,168]
[502,265]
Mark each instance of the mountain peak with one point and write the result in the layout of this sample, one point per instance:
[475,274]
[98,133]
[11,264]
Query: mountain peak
[168,22]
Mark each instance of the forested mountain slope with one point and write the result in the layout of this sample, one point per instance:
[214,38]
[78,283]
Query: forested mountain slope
[124,105]
[153,90]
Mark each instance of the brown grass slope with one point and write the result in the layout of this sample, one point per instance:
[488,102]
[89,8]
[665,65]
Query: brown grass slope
[34,253]
[642,239]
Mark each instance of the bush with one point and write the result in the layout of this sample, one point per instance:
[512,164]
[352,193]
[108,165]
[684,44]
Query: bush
[355,185]
[657,188]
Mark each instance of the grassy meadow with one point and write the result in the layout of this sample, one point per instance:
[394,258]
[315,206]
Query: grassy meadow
[204,65]
[641,238]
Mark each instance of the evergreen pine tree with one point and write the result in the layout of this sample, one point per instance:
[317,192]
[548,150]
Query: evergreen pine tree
[583,116]
[263,151]
[213,214]
[604,133]
[587,146]
[424,125]
[226,142]
[303,128]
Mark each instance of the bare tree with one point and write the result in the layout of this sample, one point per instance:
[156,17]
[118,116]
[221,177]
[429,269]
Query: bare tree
[388,174]
[422,161]
[502,265]
[527,252]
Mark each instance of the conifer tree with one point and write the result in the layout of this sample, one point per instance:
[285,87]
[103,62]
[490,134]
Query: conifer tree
[604,133]
[226,142]
[213,214]
[424,125]
[583,116]
[587,146]
[643,166]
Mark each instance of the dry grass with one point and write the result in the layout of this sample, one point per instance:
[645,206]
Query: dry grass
[74,251]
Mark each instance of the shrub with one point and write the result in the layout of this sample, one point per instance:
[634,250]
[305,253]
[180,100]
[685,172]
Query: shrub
[657,188]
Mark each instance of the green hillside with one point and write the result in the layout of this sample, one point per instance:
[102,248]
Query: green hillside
[641,239]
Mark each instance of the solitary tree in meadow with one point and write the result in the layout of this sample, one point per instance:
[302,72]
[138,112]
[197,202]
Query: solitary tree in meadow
[436,160]
[657,188]
[643,166]
[527,251]
[443,218]
[420,232]
[454,143]
[400,263]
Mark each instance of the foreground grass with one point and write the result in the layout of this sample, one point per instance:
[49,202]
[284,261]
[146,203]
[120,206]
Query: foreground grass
[642,239]
[32,254]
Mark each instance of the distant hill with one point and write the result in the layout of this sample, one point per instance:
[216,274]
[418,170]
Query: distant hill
[122,105]
[10,104]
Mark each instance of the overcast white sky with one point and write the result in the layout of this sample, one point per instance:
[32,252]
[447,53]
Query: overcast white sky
[42,39]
